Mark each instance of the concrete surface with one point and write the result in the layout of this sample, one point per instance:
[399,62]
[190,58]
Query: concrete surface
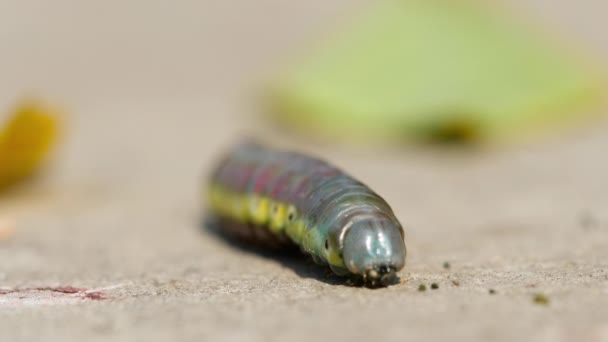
[108,245]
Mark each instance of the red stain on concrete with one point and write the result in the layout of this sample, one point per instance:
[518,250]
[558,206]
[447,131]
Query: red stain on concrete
[74,292]
[60,289]
[95,296]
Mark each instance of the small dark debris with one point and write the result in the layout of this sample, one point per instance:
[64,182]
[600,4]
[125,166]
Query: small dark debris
[446,265]
[434,286]
[588,221]
[422,288]
[492,291]
[541,299]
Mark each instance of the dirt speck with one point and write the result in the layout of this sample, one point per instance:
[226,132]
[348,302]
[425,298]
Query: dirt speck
[588,220]
[541,299]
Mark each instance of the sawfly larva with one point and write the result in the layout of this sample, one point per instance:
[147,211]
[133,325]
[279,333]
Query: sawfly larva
[280,198]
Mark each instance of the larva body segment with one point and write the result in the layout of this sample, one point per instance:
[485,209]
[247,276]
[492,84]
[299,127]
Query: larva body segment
[278,198]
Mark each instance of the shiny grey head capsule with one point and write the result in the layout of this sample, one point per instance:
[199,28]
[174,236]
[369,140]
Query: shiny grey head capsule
[374,249]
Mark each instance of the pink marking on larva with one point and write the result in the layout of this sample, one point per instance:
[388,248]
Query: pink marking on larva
[232,174]
[287,180]
[301,190]
[223,173]
[242,176]
[330,172]
[263,179]
[246,176]
[280,187]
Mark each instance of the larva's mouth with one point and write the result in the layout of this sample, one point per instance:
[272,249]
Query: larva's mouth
[382,275]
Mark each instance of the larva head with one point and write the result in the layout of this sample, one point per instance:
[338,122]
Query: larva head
[374,249]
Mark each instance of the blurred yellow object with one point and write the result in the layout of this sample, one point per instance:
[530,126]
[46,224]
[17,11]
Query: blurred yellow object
[25,141]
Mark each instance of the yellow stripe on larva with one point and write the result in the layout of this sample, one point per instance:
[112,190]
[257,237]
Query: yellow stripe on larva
[213,197]
[296,231]
[334,258]
[241,207]
[278,216]
[259,209]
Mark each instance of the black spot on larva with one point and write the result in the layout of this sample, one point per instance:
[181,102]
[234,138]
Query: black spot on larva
[290,217]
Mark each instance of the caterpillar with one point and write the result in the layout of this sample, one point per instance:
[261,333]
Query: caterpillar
[277,198]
